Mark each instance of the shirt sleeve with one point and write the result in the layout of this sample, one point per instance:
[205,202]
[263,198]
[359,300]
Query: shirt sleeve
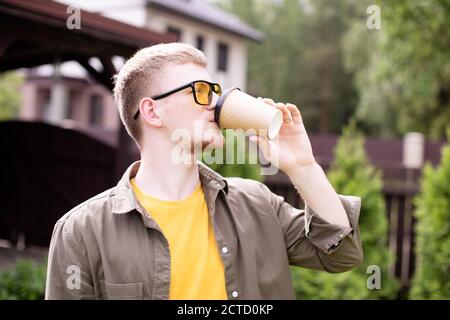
[313,243]
[68,275]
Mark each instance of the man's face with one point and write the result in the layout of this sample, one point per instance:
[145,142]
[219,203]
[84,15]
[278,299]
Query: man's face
[181,114]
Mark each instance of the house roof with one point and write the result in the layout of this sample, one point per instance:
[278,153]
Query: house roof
[98,27]
[37,34]
[205,12]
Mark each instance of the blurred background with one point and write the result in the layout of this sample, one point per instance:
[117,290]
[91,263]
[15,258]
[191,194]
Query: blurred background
[371,78]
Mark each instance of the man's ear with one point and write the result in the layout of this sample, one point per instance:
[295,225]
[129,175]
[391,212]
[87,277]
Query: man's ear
[148,111]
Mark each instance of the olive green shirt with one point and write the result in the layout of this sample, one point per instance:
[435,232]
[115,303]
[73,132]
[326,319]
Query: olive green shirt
[109,247]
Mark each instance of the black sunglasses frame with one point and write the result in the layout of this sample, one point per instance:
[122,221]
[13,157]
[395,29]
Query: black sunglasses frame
[189,85]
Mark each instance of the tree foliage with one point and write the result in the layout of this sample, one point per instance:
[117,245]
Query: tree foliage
[322,56]
[300,59]
[403,70]
[25,282]
[9,95]
[432,277]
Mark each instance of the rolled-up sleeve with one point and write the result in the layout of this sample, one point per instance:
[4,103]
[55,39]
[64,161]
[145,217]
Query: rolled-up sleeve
[314,243]
[340,248]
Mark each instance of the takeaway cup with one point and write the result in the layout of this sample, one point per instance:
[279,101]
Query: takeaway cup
[236,109]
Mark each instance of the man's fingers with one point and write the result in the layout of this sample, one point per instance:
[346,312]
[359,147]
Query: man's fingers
[296,115]
[290,111]
[267,100]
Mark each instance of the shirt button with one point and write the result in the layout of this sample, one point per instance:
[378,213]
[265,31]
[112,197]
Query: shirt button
[341,235]
[224,250]
[234,294]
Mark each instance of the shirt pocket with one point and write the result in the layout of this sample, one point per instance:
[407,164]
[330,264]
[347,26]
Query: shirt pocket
[122,291]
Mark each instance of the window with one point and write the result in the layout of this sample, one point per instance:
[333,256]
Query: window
[96,109]
[174,31]
[222,58]
[200,43]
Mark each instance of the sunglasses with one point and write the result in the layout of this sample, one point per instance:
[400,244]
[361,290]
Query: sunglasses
[202,91]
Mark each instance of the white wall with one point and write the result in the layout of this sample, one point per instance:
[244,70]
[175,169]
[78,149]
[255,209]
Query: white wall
[130,11]
[236,73]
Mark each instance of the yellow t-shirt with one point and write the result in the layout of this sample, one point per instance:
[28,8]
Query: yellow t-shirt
[197,270]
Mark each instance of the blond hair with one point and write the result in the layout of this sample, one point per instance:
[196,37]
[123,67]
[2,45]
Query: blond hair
[134,80]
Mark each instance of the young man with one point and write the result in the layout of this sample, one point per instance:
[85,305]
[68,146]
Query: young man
[172,230]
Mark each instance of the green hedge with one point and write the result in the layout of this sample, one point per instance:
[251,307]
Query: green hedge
[25,282]
[432,277]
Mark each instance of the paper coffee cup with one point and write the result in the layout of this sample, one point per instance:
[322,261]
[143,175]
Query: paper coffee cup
[236,109]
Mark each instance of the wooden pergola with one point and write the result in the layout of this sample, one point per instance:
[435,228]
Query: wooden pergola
[35,33]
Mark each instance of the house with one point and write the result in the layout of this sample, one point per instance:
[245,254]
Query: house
[85,105]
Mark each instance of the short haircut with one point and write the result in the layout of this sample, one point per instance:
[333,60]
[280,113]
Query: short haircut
[134,81]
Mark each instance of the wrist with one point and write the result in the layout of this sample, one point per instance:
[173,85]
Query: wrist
[303,168]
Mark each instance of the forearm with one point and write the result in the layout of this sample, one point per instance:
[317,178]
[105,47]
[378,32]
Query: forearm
[315,189]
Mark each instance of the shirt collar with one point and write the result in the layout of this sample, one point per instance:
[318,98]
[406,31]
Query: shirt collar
[125,200]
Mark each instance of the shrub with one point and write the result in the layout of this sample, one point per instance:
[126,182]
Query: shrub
[432,277]
[25,282]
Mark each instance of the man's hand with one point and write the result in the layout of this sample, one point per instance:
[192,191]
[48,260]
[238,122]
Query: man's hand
[292,148]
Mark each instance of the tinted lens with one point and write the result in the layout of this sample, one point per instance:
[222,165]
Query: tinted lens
[217,89]
[203,93]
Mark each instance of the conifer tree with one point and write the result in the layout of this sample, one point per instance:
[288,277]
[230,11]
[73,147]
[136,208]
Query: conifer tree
[432,277]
